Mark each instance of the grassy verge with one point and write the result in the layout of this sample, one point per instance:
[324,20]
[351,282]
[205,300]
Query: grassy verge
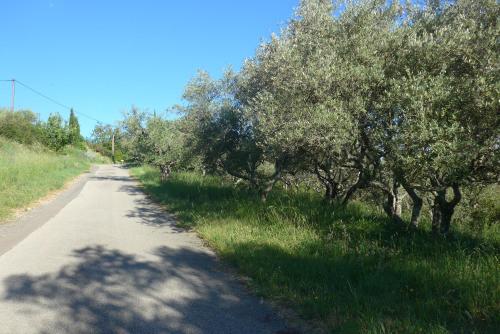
[29,173]
[345,268]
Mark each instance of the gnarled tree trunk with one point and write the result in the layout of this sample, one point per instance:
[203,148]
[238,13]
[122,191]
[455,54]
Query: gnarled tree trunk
[165,171]
[267,186]
[417,203]
[331,186]
[393,205]
[331,191]
[263,185]
[351,192]
[442,210]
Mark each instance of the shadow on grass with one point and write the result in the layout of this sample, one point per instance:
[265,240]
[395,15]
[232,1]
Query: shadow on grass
[110,291]
[190,198]
[361,274]
[368,293]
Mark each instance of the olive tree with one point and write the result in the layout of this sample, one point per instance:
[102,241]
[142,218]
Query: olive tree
[165,144]
[223,134]
[134,134]
[442,105]
[153,139]
[309,92]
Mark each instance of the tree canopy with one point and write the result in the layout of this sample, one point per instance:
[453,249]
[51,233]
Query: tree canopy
[364,96]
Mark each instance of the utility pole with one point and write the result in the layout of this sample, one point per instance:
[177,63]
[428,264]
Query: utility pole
[113,146]
[13,94]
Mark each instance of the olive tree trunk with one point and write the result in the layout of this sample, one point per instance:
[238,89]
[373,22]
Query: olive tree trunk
[331,186]
[417,204]
[442,210]
[393,205]
[165,171]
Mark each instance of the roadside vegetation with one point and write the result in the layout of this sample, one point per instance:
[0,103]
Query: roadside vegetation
[346,268]
[38,157]
[350,168]
[385,102]
[24,126]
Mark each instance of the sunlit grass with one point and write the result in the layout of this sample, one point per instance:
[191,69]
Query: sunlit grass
[29,173]
[347,268]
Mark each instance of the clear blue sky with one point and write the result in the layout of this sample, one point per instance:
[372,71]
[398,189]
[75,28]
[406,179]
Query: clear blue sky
[102,57]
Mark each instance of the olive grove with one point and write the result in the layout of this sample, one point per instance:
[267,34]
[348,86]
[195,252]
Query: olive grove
[397,101]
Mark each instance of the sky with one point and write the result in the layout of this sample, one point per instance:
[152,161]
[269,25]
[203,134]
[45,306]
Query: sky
[103,57]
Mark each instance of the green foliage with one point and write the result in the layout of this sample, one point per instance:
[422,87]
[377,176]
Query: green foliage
[165,144]
[133,134]
[24,126]
[223,135]
[341,266]
[151,138]
[101,139]
[389,103]
[480,209]
[74,136]
[312,87]
[399,100]
[395,104]
[55,134]
[380,96]
[21,126]
[445,95]
[438,120]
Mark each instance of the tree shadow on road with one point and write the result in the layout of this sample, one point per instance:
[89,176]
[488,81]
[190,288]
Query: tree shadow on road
[110,178]
[149,213]
[109,291]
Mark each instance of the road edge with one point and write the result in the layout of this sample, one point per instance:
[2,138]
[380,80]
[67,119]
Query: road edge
[16,229]
[295,323]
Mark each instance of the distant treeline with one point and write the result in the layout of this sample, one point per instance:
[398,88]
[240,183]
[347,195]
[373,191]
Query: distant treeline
[25,127]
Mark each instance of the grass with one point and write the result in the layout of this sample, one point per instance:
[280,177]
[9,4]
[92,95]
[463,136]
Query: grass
[346,269]
[28,173]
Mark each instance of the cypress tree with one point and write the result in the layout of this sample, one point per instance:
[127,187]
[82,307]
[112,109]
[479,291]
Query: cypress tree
[74,129]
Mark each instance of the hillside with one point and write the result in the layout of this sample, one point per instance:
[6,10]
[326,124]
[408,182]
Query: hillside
[28,173]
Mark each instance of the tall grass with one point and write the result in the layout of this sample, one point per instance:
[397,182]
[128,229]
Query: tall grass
[28,173]
[347,269]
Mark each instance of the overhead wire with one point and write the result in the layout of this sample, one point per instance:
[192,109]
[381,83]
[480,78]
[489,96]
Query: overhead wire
[51,99]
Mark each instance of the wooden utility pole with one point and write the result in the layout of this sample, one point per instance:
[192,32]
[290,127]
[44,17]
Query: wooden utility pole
[113,147]
[13,94]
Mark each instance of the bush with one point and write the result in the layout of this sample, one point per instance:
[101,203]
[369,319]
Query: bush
[55,133]
[24,127]
[480,208]
[21,126]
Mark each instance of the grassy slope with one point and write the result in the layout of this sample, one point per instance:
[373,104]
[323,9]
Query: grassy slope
[29,173]
[344,268]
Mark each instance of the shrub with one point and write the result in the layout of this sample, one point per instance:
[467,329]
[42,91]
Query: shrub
[21,126]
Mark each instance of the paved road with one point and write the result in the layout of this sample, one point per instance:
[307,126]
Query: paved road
[111,262]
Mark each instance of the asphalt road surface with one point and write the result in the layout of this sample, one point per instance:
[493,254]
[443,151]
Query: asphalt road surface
[103,259]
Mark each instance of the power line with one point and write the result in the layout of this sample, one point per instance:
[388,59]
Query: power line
[51,99]
[13,96]
[43,95]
